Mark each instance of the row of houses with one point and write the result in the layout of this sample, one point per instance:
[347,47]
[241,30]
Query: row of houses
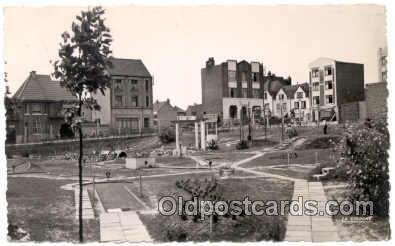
[235,90]
[40,104]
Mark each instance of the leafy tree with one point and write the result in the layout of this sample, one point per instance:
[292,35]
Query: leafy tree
[84,59]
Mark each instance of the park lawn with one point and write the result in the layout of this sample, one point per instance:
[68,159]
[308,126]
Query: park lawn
[247,228]
[175,161]
[375,230]
[281,158]
[219,157]
[43,209]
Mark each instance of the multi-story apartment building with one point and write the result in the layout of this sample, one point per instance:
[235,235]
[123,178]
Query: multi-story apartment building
[337,88]
[127,105]
[39,103]
[232,89]
[382,55]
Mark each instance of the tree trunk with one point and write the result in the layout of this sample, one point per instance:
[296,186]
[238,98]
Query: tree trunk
[80,221]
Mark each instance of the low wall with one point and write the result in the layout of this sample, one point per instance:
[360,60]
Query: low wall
[71,145]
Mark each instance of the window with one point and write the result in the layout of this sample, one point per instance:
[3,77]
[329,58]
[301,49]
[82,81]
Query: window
[299,95]
[147,101]
[316,86]
[232,92]
[328,71]
[134,84]
[303,104]
[36,108]
[243,76]
[284,106]
[146,122]
[255,93]
[244,93]
[26,108]
[135,101]
[255,77]
[36,125]
[296,105]
[328,99]
[281,97]
[278,106]
[118,100]
[118,84]
[265,95]
[328,85]
[232,76]
[146,85]
[316,100]
[315,73]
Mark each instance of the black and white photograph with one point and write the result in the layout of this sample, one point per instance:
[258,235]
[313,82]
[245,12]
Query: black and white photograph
[132,123]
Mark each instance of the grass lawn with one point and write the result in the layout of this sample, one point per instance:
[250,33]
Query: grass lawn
[247,228]
[175,161]
[376,229]
[218,157]
[281,158]
[45,211]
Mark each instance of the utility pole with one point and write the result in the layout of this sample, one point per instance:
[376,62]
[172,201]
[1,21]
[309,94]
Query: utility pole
[282,121]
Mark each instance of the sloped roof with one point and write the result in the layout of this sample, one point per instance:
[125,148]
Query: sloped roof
[273,86]
[305,87]
[178,109]
[290,90]
[128,67]
[157,105]
[40,87]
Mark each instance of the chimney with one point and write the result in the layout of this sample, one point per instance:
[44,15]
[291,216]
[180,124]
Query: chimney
[168,100]
[210,62]
[33,74]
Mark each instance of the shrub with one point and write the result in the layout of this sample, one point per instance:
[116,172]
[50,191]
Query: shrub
[167,135]
[291,132]
[364,159]
[212,145]
[243,144]
[175,233]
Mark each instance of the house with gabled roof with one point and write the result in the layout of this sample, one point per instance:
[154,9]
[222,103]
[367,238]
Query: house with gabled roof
[165,113]
[39,105]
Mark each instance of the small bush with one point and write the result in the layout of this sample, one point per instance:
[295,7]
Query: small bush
[242,145]
[212,145]
[291,132]
[364,160]
[167,135]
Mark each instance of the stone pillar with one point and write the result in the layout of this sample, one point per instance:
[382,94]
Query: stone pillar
[196,135]
[25,134]
[203,135]
[177,138]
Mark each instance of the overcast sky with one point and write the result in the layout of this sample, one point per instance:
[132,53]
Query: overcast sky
[175,42]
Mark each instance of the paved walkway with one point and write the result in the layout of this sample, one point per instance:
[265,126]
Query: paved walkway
[87,210]
[123,227]
[315,228]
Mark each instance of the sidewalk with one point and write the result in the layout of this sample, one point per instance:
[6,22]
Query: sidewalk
[316,228]
[123,227]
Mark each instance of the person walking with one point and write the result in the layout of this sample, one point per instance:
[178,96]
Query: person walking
[325,128]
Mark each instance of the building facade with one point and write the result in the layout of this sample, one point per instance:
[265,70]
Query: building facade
[376,95]
[382,55]
[39,106]
[337,90]
[232,89]
[127,106]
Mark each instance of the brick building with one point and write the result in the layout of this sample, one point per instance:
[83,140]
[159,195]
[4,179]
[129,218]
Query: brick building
[127,105]
[39,105]
[232,89]
[376,95]
[337,90]
[165,113]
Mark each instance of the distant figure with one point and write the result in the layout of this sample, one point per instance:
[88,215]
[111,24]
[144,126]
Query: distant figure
[325,128]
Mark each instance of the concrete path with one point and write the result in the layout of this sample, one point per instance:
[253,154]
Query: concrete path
[314,228]
[123,227]
[87,210]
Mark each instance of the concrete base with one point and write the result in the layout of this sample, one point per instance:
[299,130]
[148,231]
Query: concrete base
[137,163]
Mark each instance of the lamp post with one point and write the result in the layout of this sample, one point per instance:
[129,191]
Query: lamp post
[282,119]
